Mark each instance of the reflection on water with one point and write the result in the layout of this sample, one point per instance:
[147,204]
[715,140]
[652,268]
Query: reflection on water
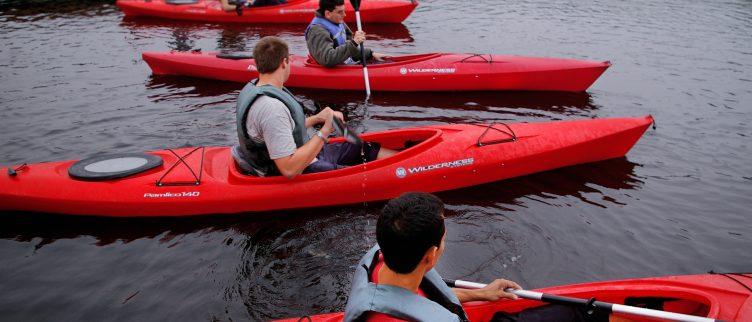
[546,101]
[232,40]
[238,37]
[377,31]
[402,109]
[181,40]
[20,9]
[577,181]
[582,182]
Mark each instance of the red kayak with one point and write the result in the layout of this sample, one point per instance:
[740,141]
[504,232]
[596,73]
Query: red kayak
[423,72]
[193,181]
[725,297]
[294,11]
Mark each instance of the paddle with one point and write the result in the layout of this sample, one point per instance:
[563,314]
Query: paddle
[342,130]
[239,7]
[589,304]
[356,6]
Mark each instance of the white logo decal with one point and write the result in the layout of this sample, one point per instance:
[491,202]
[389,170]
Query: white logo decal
[172,194]
[404,70]
[450,164]
[401,173]
[304,10]
[252,68]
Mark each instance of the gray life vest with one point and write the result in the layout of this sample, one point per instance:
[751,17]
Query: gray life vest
[441,305]
[253,153]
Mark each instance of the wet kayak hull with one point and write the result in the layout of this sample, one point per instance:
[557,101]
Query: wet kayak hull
[194,181]
[294,11]
[422,72]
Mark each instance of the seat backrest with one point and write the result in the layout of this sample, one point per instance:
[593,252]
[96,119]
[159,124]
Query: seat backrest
[241,163]
[235,55]
[311,61]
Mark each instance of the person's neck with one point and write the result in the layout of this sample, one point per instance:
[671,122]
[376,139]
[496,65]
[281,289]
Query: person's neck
[410,281]
[271,79]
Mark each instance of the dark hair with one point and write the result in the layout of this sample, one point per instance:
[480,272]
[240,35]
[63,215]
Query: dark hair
[269,53]
[328,5]
[408,226]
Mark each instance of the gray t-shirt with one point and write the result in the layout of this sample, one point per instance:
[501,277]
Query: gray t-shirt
[269,121]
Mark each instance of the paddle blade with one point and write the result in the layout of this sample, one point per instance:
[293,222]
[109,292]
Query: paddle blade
[347,133]
[355,4]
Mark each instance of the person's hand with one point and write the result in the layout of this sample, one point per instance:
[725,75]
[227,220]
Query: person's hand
[359,37]
[380,57]
[325,116]
[494,291]
[339,115]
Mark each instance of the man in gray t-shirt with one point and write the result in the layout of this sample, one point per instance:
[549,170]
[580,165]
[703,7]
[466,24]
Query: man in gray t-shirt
[269,121]
[271,124]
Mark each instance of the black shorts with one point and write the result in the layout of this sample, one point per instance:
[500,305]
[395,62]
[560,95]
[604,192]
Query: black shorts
[340,155]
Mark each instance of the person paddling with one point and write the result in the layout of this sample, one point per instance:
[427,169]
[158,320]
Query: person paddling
[330,41]
[396,280]
[273,129]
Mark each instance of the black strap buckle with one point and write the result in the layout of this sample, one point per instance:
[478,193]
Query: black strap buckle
[14,172]
[590,307]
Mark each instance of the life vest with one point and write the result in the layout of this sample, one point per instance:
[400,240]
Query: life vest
[440,305]
[254,153]
[338,32]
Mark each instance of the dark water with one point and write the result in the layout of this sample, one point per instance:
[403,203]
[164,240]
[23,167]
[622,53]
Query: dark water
[72,84]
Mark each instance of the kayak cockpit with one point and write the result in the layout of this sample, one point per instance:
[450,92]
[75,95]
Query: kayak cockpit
[689,301]
[409,143]
[392,61]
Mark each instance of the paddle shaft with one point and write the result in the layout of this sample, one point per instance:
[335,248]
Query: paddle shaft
[605,306]
[363,55]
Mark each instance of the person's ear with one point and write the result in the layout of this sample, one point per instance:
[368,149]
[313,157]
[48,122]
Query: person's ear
[431,256]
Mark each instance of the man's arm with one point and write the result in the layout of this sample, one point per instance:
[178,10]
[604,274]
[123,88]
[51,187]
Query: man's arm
[494,291]
[226,6]
[321,47]
[292,165]
[357,57]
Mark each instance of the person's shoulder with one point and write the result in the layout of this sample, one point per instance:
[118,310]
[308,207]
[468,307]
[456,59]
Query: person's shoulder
[270,105]
[264,100]
[317,29]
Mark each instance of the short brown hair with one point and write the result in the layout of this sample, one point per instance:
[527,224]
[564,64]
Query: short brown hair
[269,53]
